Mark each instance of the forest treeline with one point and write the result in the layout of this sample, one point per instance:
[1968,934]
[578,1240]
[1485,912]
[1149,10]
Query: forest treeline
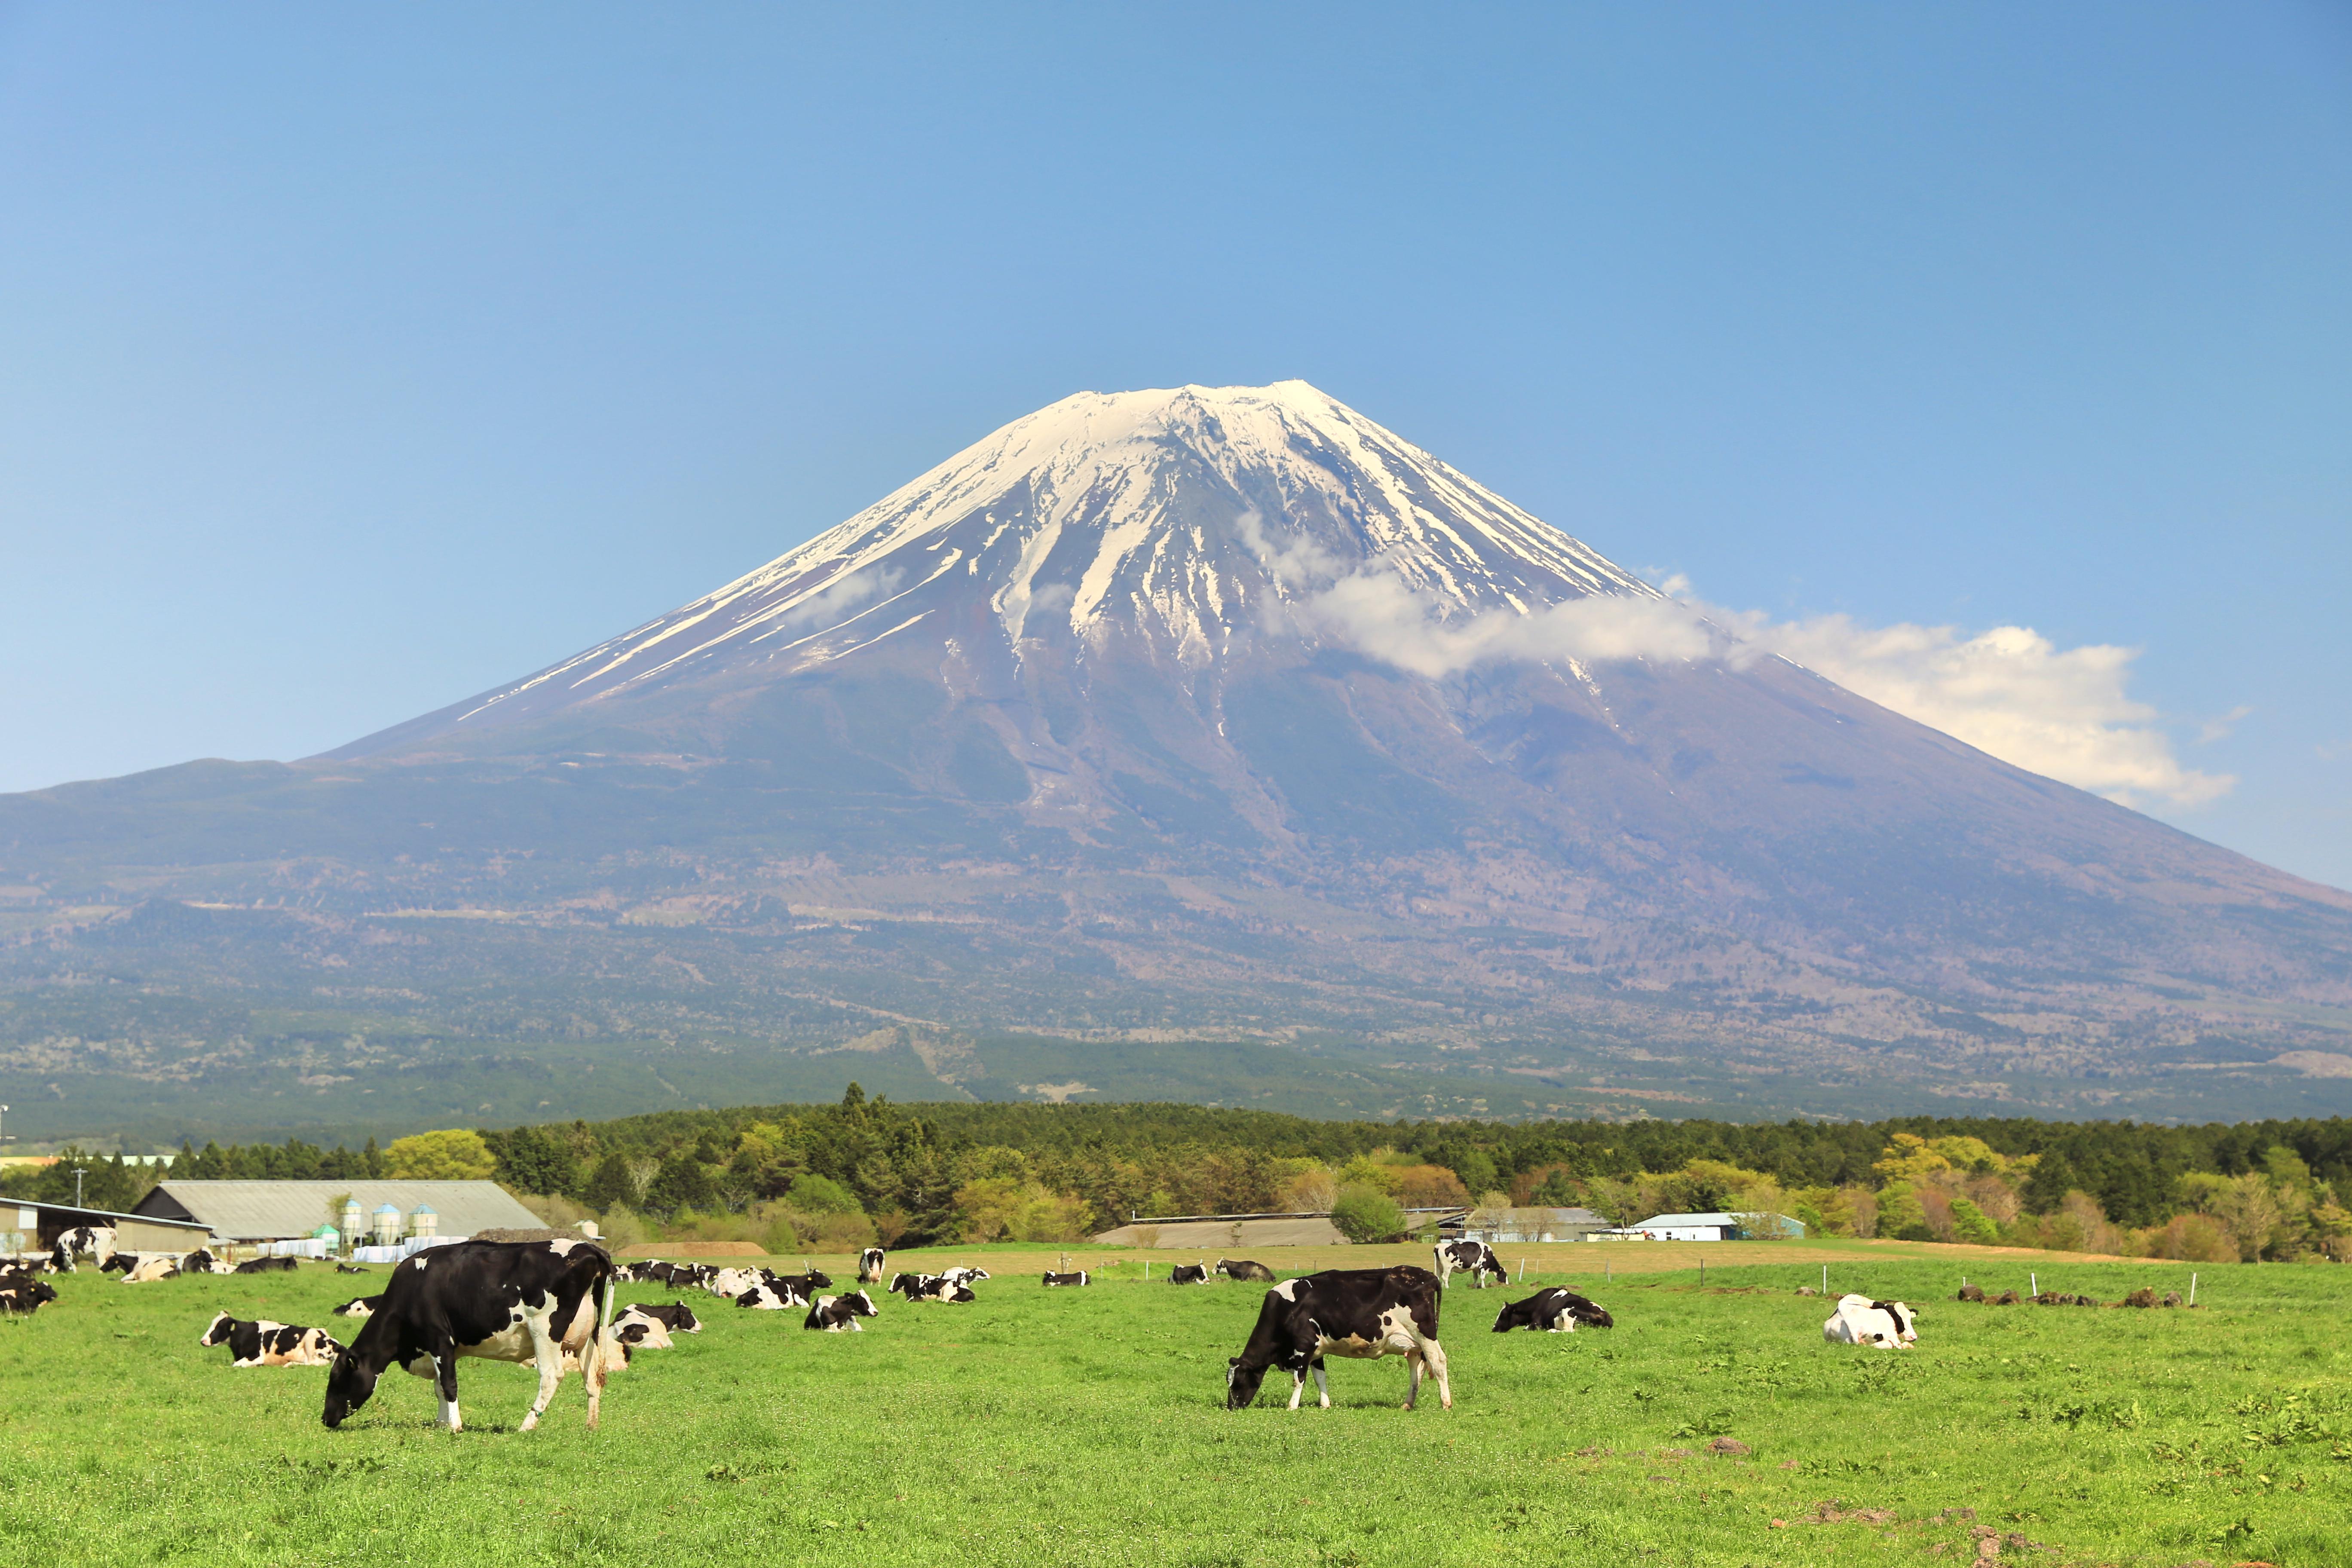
[809,1175]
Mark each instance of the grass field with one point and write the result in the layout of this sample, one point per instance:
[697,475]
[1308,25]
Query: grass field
[1053,1426]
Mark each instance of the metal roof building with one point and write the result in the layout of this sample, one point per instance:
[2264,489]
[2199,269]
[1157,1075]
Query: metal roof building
[1718,1227]
[286,1210]
[30,1224]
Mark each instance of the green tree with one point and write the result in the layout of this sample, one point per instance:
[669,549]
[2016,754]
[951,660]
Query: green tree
[1970,1223]
[1366,1213]
[822,1194]
[1901,1215]
[611,1184]
[451,1154]
[682,1183]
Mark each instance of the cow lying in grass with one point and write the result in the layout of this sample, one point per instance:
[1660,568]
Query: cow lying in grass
[1077,1278]
[1363,1313]
[930,1287]
[766,1297]
[23,1293]
[1243,1268]
[1553,1312]
[264,1344]
[1859,1320]
[678,1317]
[139,1270]
[1189,1274]
[834,1314]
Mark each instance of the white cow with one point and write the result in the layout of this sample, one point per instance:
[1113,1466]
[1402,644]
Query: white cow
[732,1282]
[144,1270]
[1859,1320]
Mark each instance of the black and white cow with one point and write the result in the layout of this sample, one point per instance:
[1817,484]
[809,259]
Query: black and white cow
[1243,1268]
[503,1301]
[1554,1312]
[139,1268]
[962,1276]
[349,1268]
[766,1297]
[632,1331]
[869,1266]
[732,1282]
[834,1314]
[360,1307]
[678,1317]
[1859,1320]
[1364,1313]
[1476,1256]
[98,1240]
[263,1343]
[266,1266]
[931,1288]
[23,1293]
[202,1261]
[1053,1279]
[805,1285]
[1189,1274]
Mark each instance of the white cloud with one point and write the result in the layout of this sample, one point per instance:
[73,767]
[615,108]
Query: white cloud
[2010,692]
[838,600]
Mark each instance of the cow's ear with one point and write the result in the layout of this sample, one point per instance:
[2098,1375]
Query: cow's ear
[1233,1361]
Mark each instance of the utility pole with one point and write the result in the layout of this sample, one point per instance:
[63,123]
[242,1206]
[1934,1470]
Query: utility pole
[4,1111]
[79,1172]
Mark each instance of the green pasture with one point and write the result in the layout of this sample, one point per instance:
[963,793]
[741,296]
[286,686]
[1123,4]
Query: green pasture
[1051,1426]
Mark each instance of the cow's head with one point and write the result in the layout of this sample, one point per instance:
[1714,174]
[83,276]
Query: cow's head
[218,1334]
[350,1381]
[1242,1384]
[861,1305]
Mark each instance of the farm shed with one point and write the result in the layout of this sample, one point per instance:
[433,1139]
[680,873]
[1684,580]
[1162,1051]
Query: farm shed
[36,1226]
[1717,1228]
[1523,1224]
[290,1211]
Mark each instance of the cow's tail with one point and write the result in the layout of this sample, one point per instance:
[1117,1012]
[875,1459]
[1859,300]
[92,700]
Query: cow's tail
[608,1287]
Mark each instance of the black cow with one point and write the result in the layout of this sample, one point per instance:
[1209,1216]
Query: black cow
[1360,1313]
[834,1314]
[1474,1255]
[678,1317]
[360,1307]
[266,1266]
[1243,1268]
[1189,1274]
[804,1285]
[869,1266]
[1554,1312]
[1053,1279]
[349,1268]
[23,1293]
[505,1300]
[264,1344]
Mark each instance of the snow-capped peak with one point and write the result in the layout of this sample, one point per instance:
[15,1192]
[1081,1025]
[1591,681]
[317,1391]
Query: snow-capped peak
[1181,517]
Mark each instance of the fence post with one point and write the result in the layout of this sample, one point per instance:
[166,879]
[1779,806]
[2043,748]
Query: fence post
[2192,1287]
[1825,1278]
[2035,1281]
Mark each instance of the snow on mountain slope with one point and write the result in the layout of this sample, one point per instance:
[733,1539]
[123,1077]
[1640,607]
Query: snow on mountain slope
[1182,518]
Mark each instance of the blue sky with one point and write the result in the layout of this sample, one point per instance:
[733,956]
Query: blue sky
[351,362]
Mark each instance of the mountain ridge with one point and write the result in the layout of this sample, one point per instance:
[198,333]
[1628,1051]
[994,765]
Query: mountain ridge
[1197,712]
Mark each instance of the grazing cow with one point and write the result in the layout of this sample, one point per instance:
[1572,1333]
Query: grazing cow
[270,1345]
[98,1240]
[1474,1255]
[1243,1268]
[1053,1279]
[1189,1274]
[503,1301]
[1359,1312]
[1554,1312]
[834,1314]
[869,1266]
[359,1307]
[678,1317]
[1859,1320]
[266,1266]
[143,1270]
[766,1297]
[23,1293]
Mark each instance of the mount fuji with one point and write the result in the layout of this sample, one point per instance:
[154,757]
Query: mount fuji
[1211,742]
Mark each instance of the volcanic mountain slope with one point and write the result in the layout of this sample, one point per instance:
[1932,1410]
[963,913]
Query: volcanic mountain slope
[1166,714]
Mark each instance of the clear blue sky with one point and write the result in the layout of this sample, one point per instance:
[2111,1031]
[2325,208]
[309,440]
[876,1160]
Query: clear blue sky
[354,360]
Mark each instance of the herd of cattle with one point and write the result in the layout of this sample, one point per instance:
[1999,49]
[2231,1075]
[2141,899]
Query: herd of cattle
[550,1304]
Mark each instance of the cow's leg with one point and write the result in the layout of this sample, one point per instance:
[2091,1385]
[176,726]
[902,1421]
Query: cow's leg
[1413,1378]
[1298,1385]
[1322,1384]
[547,1354]
[1434,1354]
[445,1367]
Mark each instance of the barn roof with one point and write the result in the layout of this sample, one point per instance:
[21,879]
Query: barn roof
[278,1211]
